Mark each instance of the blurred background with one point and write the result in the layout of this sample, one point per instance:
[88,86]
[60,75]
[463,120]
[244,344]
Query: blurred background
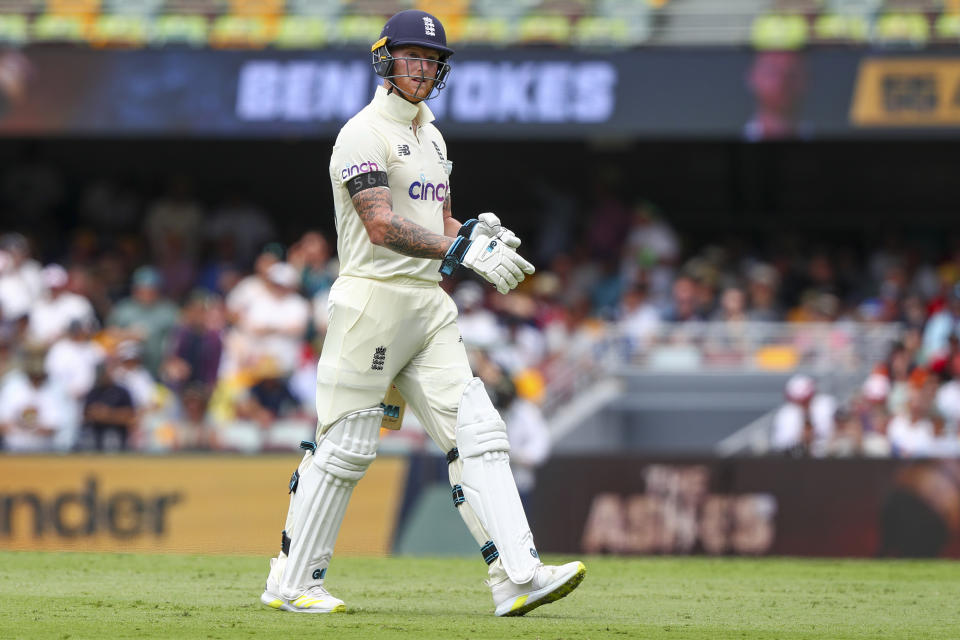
[743,336]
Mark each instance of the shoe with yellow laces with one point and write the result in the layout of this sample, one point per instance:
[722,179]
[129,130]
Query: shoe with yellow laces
[315,599]
[549,583]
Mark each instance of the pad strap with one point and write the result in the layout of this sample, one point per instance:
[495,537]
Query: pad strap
[490,552]
[294,481]
[452,455]
[458,497]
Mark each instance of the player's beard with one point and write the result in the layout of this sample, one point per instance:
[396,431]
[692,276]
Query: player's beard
[414,91]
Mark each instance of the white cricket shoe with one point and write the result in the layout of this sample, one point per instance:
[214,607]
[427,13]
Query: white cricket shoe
[549,583]
[315,599]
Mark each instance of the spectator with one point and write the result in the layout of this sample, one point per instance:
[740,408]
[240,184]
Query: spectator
[763,286]
[222,271]
[33,409]
[948,400]
[270,397]
[25,268]
[53,313]
[242,224]
[145,317]
[303,381]
[912,429]
[874,417]
[684,302]
[7,369]
[523,345]
[276,322]
[109,415]
[733,306]
[173,222]
[650,244]
[608,289]
[551,314]
[312,258]
[478,325]
[805,423]
[941,325]
[177,269]
[528,432]
[129,373]
[729,338]
[195,345]
[253,288]
[16,298]
[639,319]
[72,361]
[898,368]
[192,431]
[847,435]
[72,364]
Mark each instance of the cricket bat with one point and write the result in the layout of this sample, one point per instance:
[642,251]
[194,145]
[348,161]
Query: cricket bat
[393,407]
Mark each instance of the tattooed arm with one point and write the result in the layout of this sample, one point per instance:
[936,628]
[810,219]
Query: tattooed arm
[387,229]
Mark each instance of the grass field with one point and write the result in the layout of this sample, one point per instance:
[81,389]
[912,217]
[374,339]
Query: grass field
[101,596]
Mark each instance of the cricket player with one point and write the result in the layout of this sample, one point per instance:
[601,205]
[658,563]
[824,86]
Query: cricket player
[390,322]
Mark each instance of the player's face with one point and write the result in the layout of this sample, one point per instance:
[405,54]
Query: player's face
[417,70]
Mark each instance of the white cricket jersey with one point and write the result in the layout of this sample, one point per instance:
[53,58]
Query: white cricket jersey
[381,138]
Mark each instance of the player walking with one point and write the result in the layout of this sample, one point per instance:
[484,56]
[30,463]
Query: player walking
[391,322]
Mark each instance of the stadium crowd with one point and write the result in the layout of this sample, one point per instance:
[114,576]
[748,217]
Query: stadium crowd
[174,326]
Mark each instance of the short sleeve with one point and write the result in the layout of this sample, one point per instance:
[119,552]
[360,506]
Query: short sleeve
[357,151]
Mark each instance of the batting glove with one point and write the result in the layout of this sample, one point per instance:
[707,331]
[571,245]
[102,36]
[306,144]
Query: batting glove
[494,260]
[488,224]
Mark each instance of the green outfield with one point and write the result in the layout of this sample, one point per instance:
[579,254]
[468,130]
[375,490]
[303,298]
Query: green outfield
[75,595]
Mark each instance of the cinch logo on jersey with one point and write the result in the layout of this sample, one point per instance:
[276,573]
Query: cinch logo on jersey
[363,167]
[423,190]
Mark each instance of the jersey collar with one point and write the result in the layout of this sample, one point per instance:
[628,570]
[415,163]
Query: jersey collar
[396,108]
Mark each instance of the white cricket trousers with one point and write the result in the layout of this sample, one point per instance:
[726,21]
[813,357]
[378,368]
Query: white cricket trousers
[402,331]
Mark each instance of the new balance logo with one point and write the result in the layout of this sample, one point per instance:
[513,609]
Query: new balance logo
[428,27]
[403,149]
[379,357]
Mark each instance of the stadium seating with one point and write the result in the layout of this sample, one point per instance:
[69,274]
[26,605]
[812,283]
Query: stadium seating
[301,32]
[780,31]
[948,27]
[312,24]
[14,29]
[120,30]
[902,28]
[190,30]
